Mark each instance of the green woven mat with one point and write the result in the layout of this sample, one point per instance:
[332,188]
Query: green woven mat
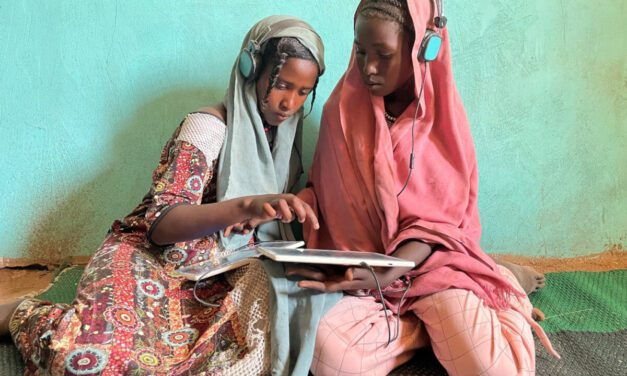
[10,359]
[584,301]
[63,289]
[586,316]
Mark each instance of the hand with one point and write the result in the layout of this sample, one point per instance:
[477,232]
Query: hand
[238,228]
[264,208]
[331,279]
[285,207]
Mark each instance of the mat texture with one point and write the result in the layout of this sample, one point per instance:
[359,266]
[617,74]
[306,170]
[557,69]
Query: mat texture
[10,359]
[583,301]
[63,289]
[586,320]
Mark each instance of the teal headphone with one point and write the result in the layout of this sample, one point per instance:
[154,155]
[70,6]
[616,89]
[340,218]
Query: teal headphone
[249,59]
[432,41]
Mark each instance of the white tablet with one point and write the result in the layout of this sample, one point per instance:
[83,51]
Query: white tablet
[332,257]
[230,259]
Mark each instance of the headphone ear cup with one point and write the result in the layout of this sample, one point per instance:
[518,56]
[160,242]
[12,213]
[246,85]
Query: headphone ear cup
[246,64]
[430,46]
[249,60]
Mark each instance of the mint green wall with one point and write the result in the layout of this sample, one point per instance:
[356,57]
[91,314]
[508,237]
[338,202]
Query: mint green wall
[89,92]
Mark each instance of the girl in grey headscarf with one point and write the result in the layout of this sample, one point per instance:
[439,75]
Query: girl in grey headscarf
[226,166]
[280,63]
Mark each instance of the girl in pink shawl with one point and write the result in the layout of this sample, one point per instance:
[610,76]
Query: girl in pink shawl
[395,172]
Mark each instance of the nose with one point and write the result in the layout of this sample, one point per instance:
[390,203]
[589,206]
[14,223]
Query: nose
[287,102]
[370,67]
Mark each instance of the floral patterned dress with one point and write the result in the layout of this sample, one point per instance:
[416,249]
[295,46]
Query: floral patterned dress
[132,315]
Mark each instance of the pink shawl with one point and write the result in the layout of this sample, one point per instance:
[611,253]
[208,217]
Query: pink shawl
[360,165]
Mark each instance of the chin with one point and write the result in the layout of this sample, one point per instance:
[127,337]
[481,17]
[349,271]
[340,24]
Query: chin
[270,120]
[379,91]
[273,123]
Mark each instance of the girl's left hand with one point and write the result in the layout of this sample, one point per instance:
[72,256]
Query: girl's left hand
[331,279]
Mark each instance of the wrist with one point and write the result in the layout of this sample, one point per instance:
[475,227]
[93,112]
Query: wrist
[243,207]
[413,250]
[392,274]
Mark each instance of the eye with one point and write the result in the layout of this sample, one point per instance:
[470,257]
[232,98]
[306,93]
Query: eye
[359,52]
[280,86]
[304,93]
[385,56]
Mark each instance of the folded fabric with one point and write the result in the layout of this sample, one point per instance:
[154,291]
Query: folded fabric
[295,314]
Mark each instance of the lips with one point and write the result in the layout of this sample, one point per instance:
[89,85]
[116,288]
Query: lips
[282,117]
[373,85]
[370,82]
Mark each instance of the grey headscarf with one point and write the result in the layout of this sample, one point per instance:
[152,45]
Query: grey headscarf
[247,166]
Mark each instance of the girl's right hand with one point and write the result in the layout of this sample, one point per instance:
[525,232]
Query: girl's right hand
[264,208]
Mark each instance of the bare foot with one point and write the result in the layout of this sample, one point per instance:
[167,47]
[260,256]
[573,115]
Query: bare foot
[537,314]
[6,311]
[529,278]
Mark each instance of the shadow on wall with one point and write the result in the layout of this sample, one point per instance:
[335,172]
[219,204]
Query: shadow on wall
[78,223]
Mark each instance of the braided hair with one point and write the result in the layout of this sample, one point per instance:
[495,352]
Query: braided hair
[276,53]
[390,10]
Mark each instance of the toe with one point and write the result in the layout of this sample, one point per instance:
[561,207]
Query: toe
[537,314]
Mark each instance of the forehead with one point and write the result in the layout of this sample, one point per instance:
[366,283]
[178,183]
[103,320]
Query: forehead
[299,72]
[377,31]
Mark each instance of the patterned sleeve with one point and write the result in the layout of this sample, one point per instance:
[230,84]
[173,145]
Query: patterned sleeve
[187,165]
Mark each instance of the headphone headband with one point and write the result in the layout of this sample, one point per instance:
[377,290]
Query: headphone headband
[439,21]
[250,57]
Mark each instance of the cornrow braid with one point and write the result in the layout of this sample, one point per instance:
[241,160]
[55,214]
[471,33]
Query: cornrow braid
[274,75]
[276,52]
[391,10]
[313,96]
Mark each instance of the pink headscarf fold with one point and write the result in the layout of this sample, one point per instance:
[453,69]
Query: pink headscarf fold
[360,165]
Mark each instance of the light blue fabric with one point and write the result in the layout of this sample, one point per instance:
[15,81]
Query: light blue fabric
[294,314]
